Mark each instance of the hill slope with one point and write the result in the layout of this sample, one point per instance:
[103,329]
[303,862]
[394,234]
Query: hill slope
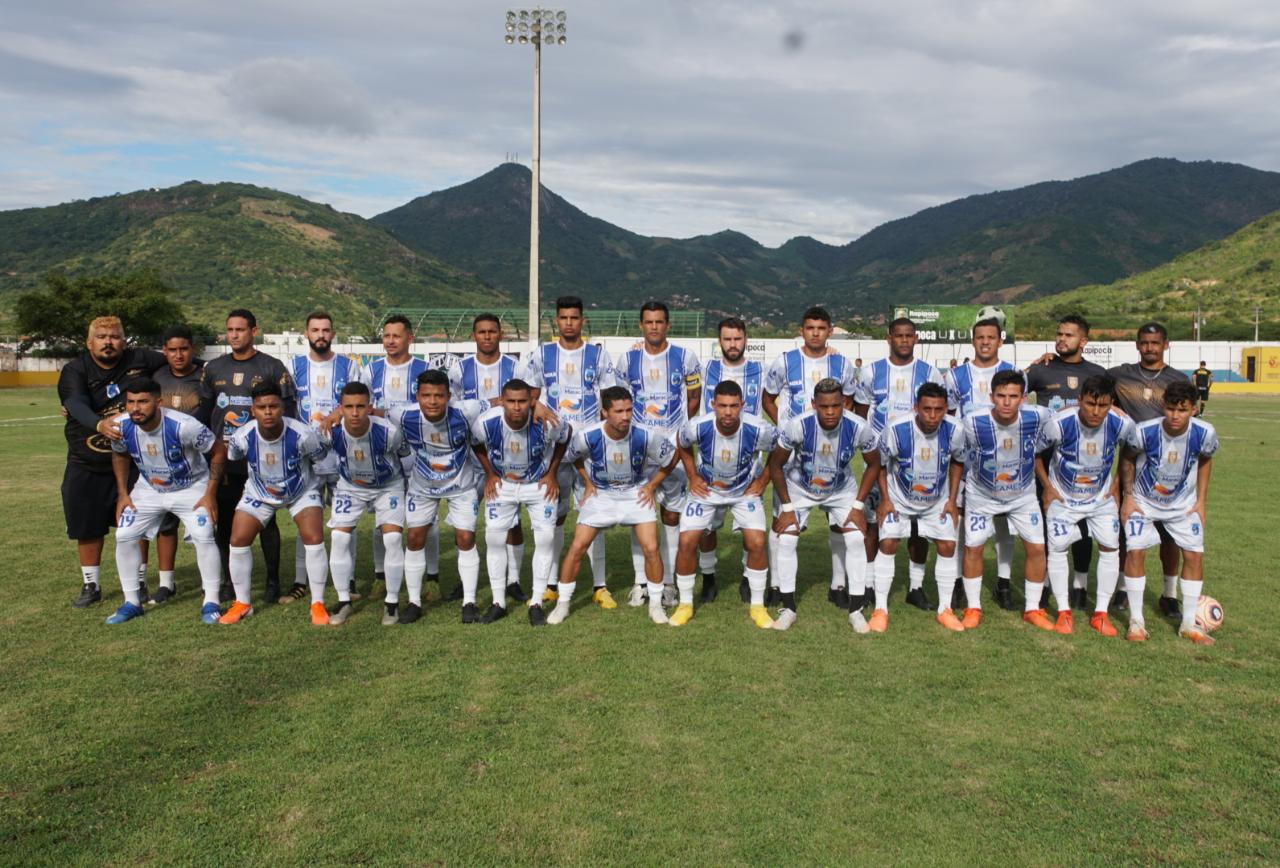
[234,244]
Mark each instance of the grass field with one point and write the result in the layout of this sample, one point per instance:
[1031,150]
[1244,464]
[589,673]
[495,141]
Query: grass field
[609,739]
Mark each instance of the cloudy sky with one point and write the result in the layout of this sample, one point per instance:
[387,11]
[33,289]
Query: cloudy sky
[668,117]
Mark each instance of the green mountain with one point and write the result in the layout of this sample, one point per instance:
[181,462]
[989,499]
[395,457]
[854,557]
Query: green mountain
[225,245]
[1016,244]
[1226,280]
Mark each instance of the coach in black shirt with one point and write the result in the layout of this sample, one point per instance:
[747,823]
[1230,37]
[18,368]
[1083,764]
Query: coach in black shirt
[91,391]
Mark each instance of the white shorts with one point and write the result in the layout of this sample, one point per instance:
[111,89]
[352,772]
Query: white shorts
[1062,524]
[673,493]
[934,524]
[699,515]
[151,506]
[422,508]
[1023,516]
[837,506]
[352,501]
[1186,530]
[263,510]
[611,508]
[503,512]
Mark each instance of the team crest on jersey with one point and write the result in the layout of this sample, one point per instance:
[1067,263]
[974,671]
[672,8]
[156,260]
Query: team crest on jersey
[514,447]
[726,455]
[1007,444]
[655,373]
[271,459]
[926,452]
[899,385]
[113,391]
[488,383]
[825,449]
[319,381]
[1073,382]
[359,455]
[570,367]
[395,501]
[176,401]
[152,451]
[435,437]
[617,458]
[237,378]
[1091,449]
[1173,456]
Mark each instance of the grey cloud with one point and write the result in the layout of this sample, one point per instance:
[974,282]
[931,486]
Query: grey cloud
[31,76]
[302,93]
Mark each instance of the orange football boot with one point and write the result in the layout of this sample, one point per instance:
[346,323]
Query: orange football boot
[1102,624]
[1137,632]
[972,618]
[1065,623]
[948,619]
[1038,618]
[237,613]
[319,615]
[879,621]
[1195,634]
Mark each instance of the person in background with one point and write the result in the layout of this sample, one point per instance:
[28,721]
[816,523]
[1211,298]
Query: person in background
[1203,379]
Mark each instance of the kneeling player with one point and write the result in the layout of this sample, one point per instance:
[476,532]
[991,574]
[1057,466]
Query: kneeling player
[1165,472]
[370,479]
[279,452]
[1000,455]
[621,466]
[724,477]
[916,455]
[1079,486]
[168,449]
[438,432]
[810,468]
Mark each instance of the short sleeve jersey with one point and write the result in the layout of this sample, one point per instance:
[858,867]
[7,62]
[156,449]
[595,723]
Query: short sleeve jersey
[917,463]
[181,393]
[280,470]
[319,384]
[227,382]
[820,459]
[619,465]
[443,462]
[470,380]
[521,455]
[748,375]
[1001,458]
[171,457]
[1083,459]
[371,460]
[103,389]
[660,385]
[889,390]
[969,386]
[1141,394]
[727,462]
[793,375]
[394,386]
[1165,484]
[1057,383]
[571,380]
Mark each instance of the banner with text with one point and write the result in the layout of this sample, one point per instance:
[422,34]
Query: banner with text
[953,323]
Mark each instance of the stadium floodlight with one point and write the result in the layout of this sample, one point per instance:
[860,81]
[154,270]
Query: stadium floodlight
[538,27]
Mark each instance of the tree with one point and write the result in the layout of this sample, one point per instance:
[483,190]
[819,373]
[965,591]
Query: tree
[59,313]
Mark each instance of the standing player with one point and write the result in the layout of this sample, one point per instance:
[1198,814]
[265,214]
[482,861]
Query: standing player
[521,457]
[732,365]
[279,452]
[788,389]
[887,389]
[167,450]
[319,377]
[1203,378]
[998,468]
[91,391]
[1165,473]
[567,375]
[1079,486]
[666,390]
[622,467]
[915,462]
[226,403]
[1140,390]
[437,431]
[725,476]
[368,452]
[810,468]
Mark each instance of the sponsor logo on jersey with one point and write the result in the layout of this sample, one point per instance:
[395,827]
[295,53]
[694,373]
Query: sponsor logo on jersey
[113,391]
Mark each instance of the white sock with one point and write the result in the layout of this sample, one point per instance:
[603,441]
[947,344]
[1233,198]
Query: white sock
[707,563]
[240,565]
[945,571]
[1190,601]
[883,579]
[394,573]
[515,560]
[166,579]
[431,550]
[566,593]
[1033,591]
[684,584]
[757,579]
[543,562]
[379,552]
[495,559]
[973,592]
[597,554]
[318,572]
[916,573]
[1134,587]
[1080,580]
[415,567]
[670,545]
[393,561]
[299,562]
[772,546]
[1108,576]
[128,562]
[469,573]
[341,566]
[1058,581]
[787,562]
[209,561]
[655,594]
[1170,587]
[835,540]
[855,563]
[1004,549]
[637,560]
[90,574]
[557,546]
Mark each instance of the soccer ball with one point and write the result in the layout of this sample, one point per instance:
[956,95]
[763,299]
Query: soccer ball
[991,311]
[1208,614]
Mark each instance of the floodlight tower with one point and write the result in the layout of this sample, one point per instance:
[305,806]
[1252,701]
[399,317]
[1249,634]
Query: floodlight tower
[536,27]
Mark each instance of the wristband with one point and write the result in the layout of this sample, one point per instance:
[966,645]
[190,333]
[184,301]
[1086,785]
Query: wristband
[787,507]
[858,504]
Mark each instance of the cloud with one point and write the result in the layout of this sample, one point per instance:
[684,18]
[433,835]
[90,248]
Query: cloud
[308,94]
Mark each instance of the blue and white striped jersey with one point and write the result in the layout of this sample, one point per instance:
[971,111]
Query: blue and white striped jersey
[889,390]
[394,386]
[969,387]
[319,384]
[727,463]
[917,463]
[170,458]
[659,385]
[442,458]
[1083,458]
[472,381]
[793,375]
[1165,484]
[1001,459]
[571,380]
[819,463]
[748,375]
[371,460]
[517,456]
[617,465]
[280,470]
